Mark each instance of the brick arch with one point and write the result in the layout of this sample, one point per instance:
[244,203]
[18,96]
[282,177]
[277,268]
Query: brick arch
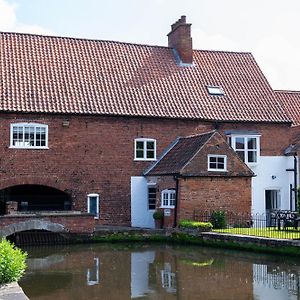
[32,225]
[52,182]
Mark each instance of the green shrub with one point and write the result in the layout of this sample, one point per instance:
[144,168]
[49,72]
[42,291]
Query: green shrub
[218,219]
[158,215]
[195,225]
[12,262]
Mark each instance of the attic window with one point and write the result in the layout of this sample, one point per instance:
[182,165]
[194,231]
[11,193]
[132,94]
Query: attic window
[215,90]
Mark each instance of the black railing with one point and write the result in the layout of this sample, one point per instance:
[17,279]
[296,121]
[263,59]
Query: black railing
[274,224]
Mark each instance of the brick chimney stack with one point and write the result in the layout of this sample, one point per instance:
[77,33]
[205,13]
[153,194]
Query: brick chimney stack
[180,39]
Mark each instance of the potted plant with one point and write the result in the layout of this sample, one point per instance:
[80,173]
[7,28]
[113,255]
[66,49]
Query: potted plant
[158,217]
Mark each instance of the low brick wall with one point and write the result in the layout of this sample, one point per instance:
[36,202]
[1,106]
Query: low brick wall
[246,240]
[73,222]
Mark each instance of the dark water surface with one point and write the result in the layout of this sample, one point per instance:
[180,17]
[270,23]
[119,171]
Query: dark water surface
[138,271]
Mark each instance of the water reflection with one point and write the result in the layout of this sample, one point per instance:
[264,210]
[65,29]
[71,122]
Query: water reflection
[157,272]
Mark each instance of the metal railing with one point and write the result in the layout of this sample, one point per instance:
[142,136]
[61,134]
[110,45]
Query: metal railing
[275,224]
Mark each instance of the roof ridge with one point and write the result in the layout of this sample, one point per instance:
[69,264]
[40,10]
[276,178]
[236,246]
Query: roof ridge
[223,51]
[116,42]
[80,39]
[287,91]
[198,134]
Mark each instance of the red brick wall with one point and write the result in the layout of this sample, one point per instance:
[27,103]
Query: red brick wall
[74,224]
[213,193]
[95,155]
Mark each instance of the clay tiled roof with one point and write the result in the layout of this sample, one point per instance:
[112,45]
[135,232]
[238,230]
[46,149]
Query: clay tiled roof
[290,101]
[188,158]
[67,75]
[179,155]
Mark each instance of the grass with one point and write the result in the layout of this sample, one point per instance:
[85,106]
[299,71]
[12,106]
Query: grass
[269,232]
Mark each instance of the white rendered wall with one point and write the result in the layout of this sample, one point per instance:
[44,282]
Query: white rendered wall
[267,167]
[141,216]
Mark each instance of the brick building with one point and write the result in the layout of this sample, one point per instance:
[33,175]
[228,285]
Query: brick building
[83,121]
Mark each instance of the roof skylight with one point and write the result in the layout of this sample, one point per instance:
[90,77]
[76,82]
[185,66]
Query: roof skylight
[215,90]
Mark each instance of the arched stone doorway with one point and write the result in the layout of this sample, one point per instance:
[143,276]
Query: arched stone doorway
[30,197]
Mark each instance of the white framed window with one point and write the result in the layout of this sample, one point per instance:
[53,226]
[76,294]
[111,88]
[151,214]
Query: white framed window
[216,162]
[151,197]
[92,274]
[93,205]
[29,136]
[168,198]
[246,147]
[168,279]
[144,149]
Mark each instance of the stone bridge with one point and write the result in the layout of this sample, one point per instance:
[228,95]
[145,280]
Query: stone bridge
[58,222]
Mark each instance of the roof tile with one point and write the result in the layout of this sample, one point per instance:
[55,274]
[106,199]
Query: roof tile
[66,75]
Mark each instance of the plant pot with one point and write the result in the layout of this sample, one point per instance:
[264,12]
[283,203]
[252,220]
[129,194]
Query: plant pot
[158,223]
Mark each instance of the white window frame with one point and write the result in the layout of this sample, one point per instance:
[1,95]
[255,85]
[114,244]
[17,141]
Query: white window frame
[149,186]
[209,156]
[97,204]
[144,140]
[233,138]
[33,125]
[92,281]
[167,192]
[215,90]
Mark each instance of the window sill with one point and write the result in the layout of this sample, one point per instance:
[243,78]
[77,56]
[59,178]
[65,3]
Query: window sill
[29,148]
[216,170]
[168,207]
[145,159]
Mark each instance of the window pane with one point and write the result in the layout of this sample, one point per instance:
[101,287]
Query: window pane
[252,143]
[150,145]
[252,156]
[150,154]
[241,154]
[139,154]
[151,198]
[43,136]
[140,145]
[93,206]
[213,159]
[220,166]
[213,165]
[239,143]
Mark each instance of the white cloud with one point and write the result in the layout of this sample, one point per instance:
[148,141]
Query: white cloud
[9,22]
[203,40]
[279,59]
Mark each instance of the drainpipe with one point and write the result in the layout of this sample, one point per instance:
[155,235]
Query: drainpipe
[294,189]
[176,200]
[295,182]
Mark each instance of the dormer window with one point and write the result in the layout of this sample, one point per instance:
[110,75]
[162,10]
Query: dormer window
[215,90]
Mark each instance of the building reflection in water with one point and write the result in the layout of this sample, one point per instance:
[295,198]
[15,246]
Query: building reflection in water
[168,279]
[275,282]
[92,274]
[158,272]
[140,262]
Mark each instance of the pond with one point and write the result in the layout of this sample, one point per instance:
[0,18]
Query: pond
[157,271]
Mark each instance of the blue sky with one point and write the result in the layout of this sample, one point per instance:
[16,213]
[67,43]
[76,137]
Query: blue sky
[267,28]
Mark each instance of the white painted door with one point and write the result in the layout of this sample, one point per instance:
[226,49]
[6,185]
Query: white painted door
[141,216]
